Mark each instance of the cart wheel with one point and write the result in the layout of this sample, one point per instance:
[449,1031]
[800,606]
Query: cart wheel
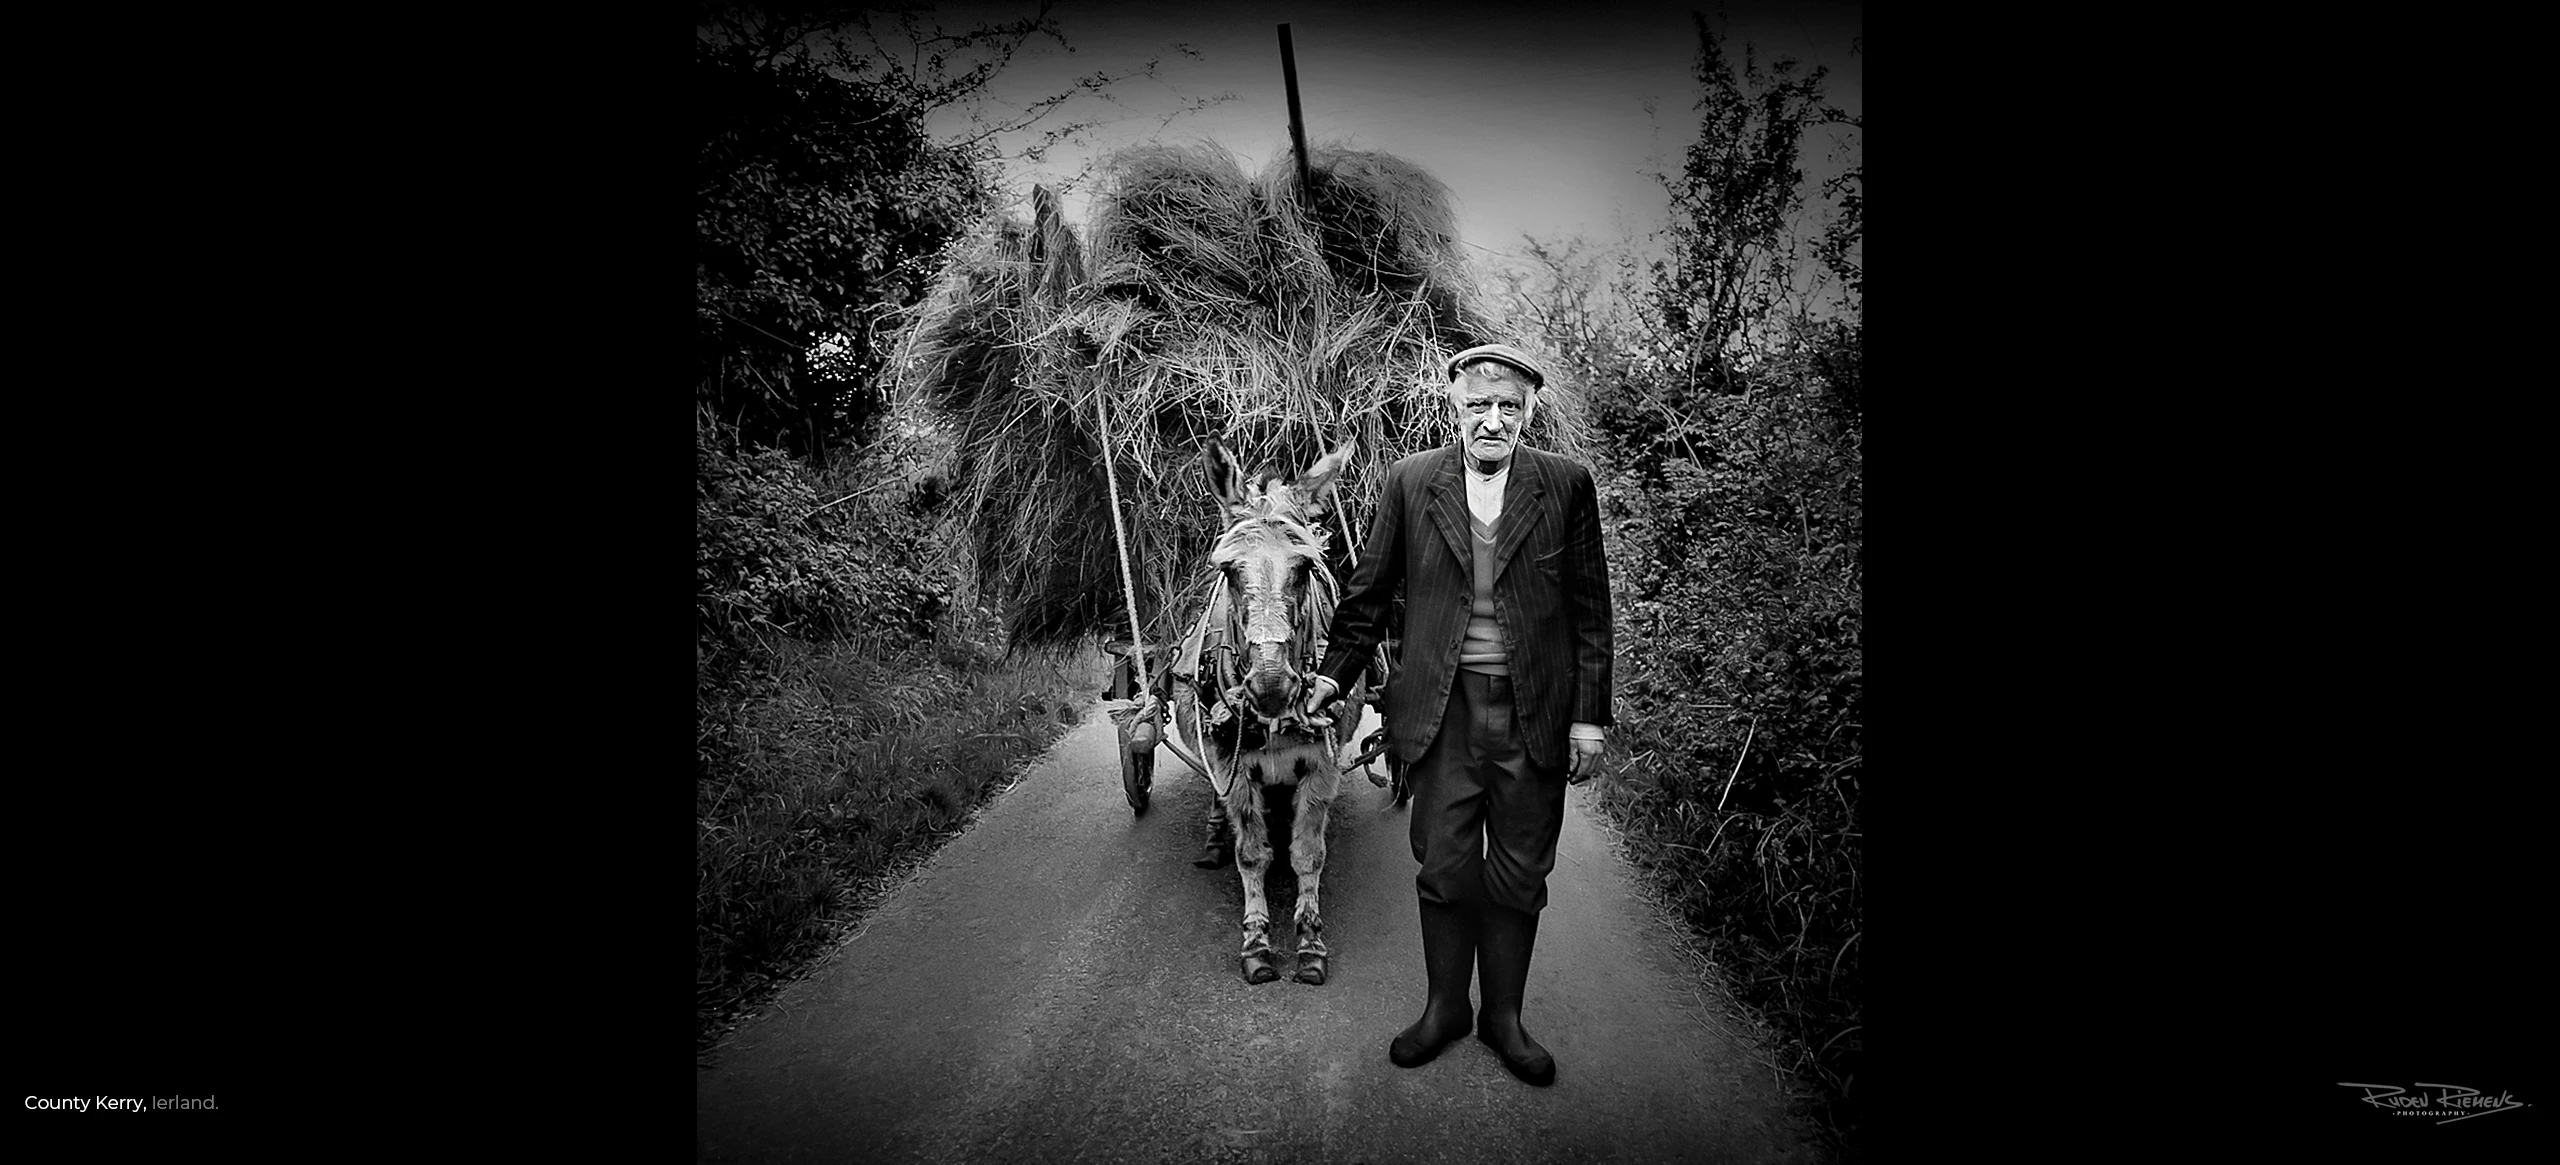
[1137,770]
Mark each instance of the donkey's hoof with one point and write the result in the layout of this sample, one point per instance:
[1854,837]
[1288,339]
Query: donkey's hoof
[1258,969]
[1311,970]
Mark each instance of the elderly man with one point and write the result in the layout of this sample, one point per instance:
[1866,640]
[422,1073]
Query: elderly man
[1500,693]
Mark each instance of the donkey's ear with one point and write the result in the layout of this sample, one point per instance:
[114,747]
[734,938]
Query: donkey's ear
[1226,475]
[1319,477]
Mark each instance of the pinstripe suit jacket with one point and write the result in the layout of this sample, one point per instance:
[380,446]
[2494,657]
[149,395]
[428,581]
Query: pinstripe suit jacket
[1550,596]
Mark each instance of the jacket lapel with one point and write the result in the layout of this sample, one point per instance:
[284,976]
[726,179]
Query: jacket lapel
[1523,507]
[1448,506]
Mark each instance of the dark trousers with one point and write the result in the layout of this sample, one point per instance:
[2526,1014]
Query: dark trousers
[1485,816]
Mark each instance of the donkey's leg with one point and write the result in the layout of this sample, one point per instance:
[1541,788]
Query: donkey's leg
[1253,861]
[1316,789]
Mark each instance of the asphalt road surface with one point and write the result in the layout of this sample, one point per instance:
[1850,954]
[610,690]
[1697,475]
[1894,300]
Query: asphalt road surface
[1059,983]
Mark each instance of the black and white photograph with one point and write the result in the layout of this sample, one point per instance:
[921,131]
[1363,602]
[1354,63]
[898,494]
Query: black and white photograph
[1286,583]
[1279,583]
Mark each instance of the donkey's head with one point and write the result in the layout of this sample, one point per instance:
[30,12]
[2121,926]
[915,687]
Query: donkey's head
[1280,596]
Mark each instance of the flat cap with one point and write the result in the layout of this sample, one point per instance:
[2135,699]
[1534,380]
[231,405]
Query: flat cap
[1504,353]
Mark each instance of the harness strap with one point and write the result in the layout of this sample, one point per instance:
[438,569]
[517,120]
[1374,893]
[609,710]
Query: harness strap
[1208,663]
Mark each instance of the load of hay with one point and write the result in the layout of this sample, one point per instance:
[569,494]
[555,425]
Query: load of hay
[1198,302]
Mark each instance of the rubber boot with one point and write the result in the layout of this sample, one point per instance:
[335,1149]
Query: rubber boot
[1505,939]
[1448,956]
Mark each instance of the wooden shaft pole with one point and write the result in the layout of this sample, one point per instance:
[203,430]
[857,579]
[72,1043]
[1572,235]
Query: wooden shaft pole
[1297,124]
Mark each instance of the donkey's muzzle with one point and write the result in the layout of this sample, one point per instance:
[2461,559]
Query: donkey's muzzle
[1271,685]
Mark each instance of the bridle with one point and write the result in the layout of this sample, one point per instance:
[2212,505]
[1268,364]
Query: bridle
[1302,652]
[1223,691]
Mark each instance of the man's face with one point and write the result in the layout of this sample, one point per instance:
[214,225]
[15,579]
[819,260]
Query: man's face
[1493,402]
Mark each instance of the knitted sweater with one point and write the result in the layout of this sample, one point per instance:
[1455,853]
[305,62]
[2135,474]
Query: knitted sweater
[1482,649]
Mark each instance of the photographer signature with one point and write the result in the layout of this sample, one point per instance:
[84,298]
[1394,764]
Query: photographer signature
[2453,1102]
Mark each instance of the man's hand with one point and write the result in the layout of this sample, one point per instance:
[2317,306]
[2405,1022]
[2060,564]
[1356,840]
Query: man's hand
[1320,692]
[1584,763]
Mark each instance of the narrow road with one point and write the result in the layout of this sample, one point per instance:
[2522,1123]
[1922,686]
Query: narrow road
[1059,984]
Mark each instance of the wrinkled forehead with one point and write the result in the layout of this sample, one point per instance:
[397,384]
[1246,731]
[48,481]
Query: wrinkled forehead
[1490,372]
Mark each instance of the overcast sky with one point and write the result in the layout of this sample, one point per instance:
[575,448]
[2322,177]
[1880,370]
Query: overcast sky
[1544,120]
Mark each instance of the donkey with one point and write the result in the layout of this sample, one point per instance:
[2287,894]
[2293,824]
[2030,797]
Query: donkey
[1250,655]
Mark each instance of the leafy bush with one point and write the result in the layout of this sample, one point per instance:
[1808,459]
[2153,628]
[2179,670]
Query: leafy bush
[1740,572]
[820,204]
[771,556]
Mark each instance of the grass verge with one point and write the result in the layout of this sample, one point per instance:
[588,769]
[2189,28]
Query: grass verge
[842,767]
[1772,898]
